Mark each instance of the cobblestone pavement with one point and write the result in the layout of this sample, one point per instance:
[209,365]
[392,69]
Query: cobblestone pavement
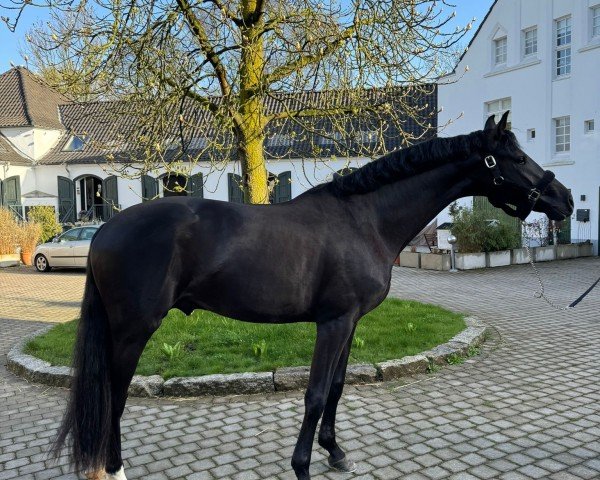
[26,294]
[527,407]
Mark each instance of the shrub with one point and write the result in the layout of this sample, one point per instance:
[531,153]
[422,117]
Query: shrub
[45,216]
[475,233]
[8,233]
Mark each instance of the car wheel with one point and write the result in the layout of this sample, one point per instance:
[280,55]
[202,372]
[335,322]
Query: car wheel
[41,264]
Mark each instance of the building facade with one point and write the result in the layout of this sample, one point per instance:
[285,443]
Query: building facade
[540,59]
[50,155]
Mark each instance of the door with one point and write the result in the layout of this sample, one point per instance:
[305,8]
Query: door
[149,188]
[110,195]
[61,253]
[81,247]
[66,200]
[283,189]
[196,186]
[236,194]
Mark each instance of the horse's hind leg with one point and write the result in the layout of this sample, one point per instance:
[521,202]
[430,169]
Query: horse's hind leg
[125,354]
[337,457]
[332,336]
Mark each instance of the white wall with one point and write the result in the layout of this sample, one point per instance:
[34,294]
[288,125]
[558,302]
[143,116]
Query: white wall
[33,143]
[537,97]
[305,174]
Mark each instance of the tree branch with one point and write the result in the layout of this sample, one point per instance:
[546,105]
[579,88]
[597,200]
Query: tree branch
[306,60]
[208,50]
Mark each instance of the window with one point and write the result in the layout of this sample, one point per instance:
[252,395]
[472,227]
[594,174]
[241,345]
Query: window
[589,126]
[596,21]
[88,233]
[71,235]
[75,143]
[280,140]
[500,48]
[530,46]
[332,138]
[197,143]
[497,108]
[531,134]
[562,134]
[366,136]
[563,46]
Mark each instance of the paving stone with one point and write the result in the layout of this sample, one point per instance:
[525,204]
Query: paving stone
[529,395]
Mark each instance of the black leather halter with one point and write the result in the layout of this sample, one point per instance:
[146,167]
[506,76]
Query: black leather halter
[533,194]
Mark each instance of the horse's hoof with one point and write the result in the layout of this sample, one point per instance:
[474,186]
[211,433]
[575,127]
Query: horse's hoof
[342,465]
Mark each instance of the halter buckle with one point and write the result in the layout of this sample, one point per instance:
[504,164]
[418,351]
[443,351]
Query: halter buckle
[534,195]
[490,161]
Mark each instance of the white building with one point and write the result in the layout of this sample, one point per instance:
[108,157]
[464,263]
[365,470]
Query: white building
[541,60]
[49,154]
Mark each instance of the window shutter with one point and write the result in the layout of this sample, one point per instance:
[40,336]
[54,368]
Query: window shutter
[196,187]
[12,191]
[283,189]
[149,188]
[110,196]
[236,194]
[66,200]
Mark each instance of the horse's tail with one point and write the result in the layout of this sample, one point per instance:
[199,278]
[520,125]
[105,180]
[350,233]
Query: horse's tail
[86,426]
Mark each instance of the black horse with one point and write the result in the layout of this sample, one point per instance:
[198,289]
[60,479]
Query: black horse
[324,257]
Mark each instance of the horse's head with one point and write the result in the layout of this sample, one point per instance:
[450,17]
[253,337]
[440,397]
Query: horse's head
[514,182]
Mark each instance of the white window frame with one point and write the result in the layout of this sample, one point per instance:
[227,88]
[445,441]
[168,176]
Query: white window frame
[534,42]
[563,49]
[595,22]
[562,135]
[500,53]
[497,108]
[589,126]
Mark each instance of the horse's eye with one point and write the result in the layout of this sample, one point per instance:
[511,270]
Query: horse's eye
[522,160]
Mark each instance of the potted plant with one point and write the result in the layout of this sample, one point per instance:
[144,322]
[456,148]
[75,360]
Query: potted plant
[29,236]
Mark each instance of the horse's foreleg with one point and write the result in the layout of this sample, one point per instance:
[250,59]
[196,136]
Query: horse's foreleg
[337,457]
[332,336]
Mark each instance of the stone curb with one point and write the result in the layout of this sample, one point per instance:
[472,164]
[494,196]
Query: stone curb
[290,378]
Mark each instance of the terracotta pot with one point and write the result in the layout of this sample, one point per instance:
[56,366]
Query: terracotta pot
[26,257]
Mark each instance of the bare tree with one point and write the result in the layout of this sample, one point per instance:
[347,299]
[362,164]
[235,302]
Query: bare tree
[243,70]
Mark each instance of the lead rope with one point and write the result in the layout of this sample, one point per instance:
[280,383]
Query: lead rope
[541,294]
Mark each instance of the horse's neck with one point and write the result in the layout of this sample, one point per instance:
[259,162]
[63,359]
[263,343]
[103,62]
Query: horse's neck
[402,209]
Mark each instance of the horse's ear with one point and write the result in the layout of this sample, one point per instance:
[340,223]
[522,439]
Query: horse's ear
[490,123]
[503,122]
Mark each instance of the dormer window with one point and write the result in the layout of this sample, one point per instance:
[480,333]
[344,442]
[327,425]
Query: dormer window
[75,143]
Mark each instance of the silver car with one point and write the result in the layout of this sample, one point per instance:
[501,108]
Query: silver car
[67,250]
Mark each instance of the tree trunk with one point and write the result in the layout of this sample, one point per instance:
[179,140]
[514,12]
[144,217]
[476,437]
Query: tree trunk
[252,122]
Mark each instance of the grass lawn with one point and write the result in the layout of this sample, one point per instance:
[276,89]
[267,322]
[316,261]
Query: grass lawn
[205,343]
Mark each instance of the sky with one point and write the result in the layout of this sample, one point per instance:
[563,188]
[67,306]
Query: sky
[9,41]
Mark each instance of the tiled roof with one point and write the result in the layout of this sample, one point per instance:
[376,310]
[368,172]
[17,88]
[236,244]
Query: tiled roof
[25,101]
[108,128]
